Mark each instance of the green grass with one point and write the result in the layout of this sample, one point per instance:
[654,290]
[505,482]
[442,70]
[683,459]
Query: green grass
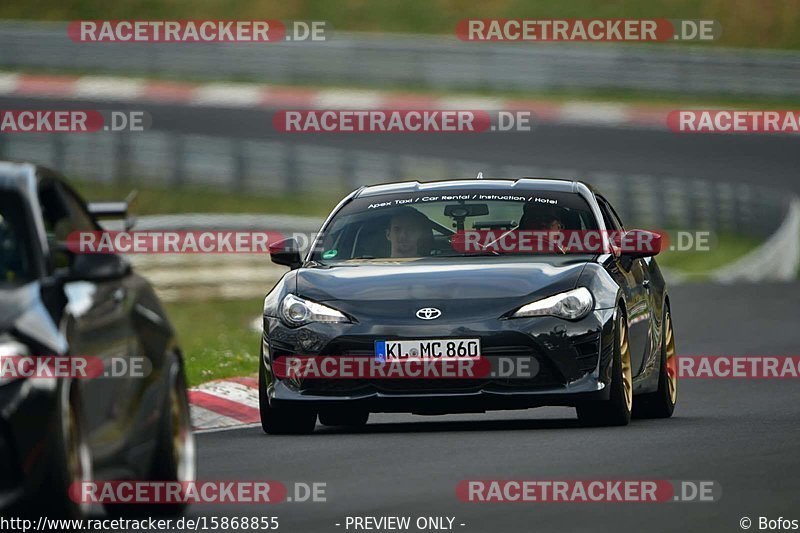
[216,338]
[153,200]
[725,249]
[746,23]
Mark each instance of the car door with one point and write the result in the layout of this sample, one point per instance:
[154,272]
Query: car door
[632,275]
[97,324]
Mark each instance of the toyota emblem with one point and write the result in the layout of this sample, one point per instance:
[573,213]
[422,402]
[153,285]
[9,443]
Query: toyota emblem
[428,313]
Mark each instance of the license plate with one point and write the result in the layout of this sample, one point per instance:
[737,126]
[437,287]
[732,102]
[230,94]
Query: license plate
[427,349]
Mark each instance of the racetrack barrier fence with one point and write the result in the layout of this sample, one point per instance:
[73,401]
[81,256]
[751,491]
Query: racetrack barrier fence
[434,62]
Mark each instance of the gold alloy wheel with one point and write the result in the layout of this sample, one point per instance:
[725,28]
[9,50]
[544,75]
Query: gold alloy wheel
[669,346]
[625,361]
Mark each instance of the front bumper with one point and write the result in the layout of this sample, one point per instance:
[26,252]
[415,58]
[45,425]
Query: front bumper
[573,361]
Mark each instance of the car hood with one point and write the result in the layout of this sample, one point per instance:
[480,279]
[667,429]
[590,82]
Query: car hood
[498,280]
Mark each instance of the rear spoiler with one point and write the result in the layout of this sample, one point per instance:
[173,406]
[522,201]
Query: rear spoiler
[109,209]
[115,210]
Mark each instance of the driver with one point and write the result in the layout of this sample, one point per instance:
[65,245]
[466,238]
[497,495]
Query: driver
[409,234]
[541,218]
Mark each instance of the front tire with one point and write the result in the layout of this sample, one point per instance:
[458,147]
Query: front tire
[283,420]
[616,411]
[661,403]
[71,459]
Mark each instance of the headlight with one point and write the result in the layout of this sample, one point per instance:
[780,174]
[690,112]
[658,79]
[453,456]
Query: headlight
[10,348]
[571,305]
[297,311]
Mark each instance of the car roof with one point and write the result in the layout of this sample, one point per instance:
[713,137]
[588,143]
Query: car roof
[511,185]
[25,176]
[20,176]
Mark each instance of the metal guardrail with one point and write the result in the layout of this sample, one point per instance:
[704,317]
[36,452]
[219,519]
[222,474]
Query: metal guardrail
[430,62]
[284,168]
[777,259]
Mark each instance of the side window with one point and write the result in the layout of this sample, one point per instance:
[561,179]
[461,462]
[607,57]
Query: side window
[611,222]
[15,253]
[80,218]
[615,216]
[63,213]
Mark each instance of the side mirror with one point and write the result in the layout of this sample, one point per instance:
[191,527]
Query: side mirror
[286,253]
[71,266]
[97,267]
[638,243]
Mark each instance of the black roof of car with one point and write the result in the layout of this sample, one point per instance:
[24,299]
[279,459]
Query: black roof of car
[510,185]
[16,175]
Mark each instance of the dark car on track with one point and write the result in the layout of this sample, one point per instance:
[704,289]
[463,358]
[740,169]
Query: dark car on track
[59,429]
[389,279]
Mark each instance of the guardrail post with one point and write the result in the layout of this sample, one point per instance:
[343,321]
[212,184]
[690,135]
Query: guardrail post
[660,199]
[395,167]
[179,160]
[59,151]
[348,169]
[627,209]
[240,165]
[292,178]
[692,203]
[121,157]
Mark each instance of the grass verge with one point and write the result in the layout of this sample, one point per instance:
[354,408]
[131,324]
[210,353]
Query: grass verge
[216,337]
[726,249]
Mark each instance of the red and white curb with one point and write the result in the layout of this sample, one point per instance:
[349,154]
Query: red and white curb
[224,404]
[252,95]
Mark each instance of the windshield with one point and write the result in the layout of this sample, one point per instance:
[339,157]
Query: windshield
[15,263]
[432,224]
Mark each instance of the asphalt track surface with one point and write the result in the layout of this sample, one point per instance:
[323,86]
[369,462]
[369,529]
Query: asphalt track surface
[743,434]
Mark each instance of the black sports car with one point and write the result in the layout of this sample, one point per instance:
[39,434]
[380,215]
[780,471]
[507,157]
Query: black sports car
[60,429]
[389,279]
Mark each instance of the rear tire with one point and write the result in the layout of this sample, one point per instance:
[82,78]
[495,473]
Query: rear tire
[283,420]
[174,458]
[661,403]
[616,411]
[343,417]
